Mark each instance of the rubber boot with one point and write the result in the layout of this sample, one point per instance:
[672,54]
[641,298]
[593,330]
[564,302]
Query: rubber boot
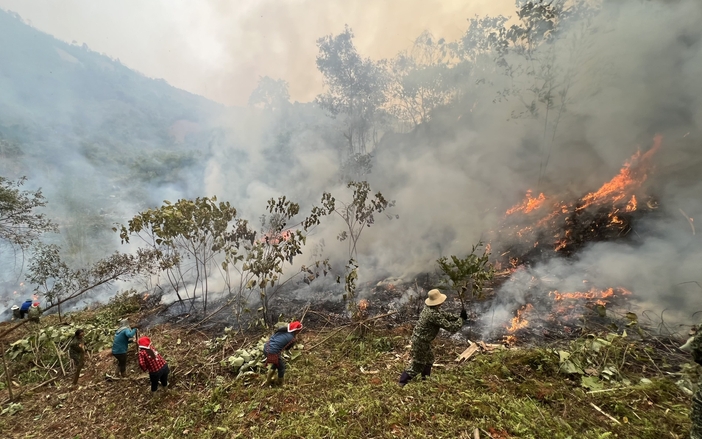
[404,379]
[270,380]
[426,372]
[280,381]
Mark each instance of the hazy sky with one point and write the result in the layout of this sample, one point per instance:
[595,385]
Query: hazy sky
[219,48]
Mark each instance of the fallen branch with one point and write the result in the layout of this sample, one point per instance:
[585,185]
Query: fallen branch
[31,389]
[488,434]
[604,390]
[603,412]
[58,355]
[330,336]
[465,355]
[7,373]
[351,324]
[307,308]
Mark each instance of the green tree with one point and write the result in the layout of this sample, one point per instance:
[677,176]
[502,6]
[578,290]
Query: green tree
[50,274]
[467,274]
[420,80]
[20,224]
[60,283]
[270,94]
[357,214]
[264,255]
[190,234]
[355,92]
[202,240]
[543,54]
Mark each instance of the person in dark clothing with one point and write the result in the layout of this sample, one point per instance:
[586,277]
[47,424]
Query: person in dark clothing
[431,320]
[151,361]
[282,339]
[24,308]
[77,354]
[123,337]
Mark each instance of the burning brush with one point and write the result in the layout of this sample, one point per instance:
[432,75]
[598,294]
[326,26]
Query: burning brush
[604,214]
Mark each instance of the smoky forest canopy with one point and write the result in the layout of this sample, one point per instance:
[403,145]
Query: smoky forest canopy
[553,98]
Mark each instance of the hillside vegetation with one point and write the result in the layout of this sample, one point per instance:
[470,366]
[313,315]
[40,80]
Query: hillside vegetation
[342,386]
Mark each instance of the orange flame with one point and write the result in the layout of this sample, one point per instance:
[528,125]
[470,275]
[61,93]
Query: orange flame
[277,238]
[631,175]
[518,321]
[593,294]
[362,304]
[529,204]
[631,206]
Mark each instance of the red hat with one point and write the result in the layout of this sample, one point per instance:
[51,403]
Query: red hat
[144,343]
[294,326]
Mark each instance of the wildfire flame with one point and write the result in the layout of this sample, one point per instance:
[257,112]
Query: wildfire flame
[273,238]
[518,322]
[631,175]
[631,206]
[618,193]
[600,297]
[529,204]
[362,304]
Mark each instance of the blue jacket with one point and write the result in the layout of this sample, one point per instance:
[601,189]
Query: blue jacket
[122,339]
[280,340]
[26,305]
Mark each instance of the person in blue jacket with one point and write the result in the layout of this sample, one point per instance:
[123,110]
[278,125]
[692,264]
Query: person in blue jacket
[281,339]
[24,309]
[120,345]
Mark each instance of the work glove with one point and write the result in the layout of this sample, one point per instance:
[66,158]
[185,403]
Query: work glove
[464,315]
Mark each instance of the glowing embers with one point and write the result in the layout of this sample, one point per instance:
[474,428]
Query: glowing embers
[559,312]
[362,305]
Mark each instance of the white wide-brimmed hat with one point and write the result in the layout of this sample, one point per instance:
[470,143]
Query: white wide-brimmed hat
[436,297]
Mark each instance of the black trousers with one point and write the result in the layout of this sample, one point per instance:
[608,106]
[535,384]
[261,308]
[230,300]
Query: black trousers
[121,362]
[160,376]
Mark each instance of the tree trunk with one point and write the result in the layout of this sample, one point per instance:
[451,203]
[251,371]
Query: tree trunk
[7,373]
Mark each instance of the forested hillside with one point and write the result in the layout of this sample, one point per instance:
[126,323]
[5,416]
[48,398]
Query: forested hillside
[94,134]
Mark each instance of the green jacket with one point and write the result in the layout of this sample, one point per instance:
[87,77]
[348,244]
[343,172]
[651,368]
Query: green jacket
[431,320]
[76,350]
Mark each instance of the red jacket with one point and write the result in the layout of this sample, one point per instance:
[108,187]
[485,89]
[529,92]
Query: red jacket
[149,364]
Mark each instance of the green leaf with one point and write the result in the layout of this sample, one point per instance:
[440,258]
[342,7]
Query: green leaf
[590,382]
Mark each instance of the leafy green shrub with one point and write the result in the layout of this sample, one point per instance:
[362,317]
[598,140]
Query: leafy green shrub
[48,340]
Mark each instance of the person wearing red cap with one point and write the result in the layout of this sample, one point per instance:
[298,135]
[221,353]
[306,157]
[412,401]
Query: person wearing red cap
[283,338]
[151,361]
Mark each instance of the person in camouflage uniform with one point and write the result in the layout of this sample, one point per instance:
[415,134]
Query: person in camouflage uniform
[431,320]
[77,354]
